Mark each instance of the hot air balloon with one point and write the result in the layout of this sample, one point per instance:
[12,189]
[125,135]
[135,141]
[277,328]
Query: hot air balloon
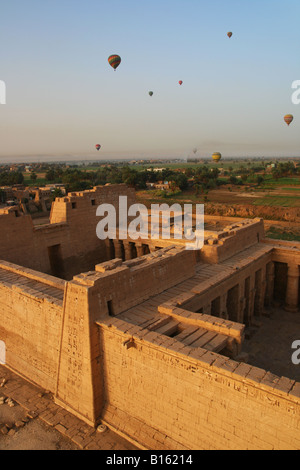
[288,119]
[98,147]
[195,151]
[114,60]
[180,82]
[216,157]
[229,34]
[150,93]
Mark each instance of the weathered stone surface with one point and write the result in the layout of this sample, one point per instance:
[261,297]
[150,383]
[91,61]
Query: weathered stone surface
[141,345]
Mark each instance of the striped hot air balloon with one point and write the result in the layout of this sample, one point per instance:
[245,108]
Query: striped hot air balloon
[288,119]
[114,60]
[98,147]
[229,34]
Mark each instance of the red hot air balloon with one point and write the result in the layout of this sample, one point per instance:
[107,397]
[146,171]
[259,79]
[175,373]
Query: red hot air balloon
[229,34]
[288,119]
[98,147]
[180,82]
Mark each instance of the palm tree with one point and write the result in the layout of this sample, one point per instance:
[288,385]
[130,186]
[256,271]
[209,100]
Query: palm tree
[33,176]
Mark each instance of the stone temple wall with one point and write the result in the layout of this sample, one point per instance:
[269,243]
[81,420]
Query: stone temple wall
[69,244]
[85,338]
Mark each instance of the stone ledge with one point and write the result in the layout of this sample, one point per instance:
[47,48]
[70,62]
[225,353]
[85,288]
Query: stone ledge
[33,275]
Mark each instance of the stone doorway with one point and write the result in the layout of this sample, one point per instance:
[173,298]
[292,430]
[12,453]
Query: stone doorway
[56,261]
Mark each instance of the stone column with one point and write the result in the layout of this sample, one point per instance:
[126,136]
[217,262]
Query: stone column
[128,251]
[270,274]
[109,249]
[146,249]
[223,306]
[133,250]
[140,250]
[292,288]
[242,302]
[246,313]
[261,301]
[251,299]
[259,292]
[118,249]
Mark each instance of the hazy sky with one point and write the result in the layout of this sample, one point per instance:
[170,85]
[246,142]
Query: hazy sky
[62,96]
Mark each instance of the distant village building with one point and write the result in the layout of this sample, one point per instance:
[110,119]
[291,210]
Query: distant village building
[7,192]
[271,167]
[21,194]
[156,169]
[54,186]
[162,185]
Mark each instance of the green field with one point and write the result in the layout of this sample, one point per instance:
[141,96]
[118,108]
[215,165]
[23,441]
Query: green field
[277,234]
[172,166]
[291,189]
[279,201]
[270,181]
[38,182]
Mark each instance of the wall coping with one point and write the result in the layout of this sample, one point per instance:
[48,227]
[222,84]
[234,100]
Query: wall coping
[33,275]
[245,374]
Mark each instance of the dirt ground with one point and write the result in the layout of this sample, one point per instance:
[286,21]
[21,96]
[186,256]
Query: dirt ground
[29,434]
[270,347]
[31,420]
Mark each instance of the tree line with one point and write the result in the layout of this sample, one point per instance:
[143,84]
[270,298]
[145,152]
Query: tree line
[78,180]
[9,178]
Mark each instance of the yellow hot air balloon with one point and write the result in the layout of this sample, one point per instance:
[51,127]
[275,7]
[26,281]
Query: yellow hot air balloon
[216,156]
[288,119]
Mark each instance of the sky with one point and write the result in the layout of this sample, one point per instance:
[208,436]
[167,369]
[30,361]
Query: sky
[63,98]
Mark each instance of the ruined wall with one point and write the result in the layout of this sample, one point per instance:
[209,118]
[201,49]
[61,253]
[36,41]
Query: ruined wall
[173,397]
[247,301]
[232,240]
[65,337]
[16,233]
[30,323]
[80,379]
[69,244]
[126,284]
[79,383]
[157,391]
